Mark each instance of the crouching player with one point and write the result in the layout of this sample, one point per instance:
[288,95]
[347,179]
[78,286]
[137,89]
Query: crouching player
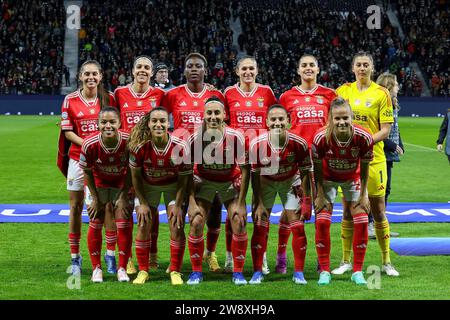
[217,151]
[276,156]
[160,164]
[104,159]
[342,153]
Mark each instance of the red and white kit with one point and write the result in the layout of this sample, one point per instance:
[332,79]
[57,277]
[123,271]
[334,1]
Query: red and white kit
[216,166]
[187,107]
[133,106]
[308,109]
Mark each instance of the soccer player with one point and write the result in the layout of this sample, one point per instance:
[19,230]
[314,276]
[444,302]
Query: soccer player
[308,104]
[134,101]
[372,109]
[217,152]
[104,160]
[342,153]
[79,116]
[276,158]
[247,103]
[186,104]
[160,164]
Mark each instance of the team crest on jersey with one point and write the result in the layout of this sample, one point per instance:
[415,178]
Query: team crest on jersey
[342,151]
[260,102]
[248,103]
[368,103]
[354,152]
[153,102]
[291,157]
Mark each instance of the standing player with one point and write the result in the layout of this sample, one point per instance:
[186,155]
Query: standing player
[276,158]
[247,103]
[134,101]
[342,153]
[186,104]
[217,152]
[308,104]
[79,117]
[372,109]
[160,164]
[104,160]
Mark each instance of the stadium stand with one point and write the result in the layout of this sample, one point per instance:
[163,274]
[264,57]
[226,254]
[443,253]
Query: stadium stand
[31,47]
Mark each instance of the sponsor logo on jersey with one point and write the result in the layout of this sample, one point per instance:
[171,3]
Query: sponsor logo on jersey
[295,101]
[237,104]
[183,104]
[80,114]
[381,187]
[125,105]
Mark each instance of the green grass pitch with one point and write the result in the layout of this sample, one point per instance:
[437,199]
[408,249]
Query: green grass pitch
[34,257]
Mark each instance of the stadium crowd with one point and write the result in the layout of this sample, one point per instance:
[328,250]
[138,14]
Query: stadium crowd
[275,33]
[31,47]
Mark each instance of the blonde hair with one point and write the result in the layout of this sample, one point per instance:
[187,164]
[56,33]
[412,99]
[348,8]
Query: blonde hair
[388,81]
[336,103]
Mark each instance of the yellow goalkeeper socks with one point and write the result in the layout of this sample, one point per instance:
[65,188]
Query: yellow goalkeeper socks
[383,236]
[347,237]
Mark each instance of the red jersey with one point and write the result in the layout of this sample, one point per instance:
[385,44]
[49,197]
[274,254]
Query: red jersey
[81,117]
[108,165]
[279,164]
[248,110]
[133,106]
[341,160]
[218,161]
[308,109]
[187,107]
[161,167]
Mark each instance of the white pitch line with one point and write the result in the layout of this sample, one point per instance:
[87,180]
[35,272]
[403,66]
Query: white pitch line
[418,146]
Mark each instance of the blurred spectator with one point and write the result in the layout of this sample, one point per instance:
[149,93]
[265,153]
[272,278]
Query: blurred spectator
[161,78]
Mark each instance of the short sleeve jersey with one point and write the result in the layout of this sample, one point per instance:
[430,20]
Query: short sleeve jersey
[308,109]
[248,110]
[162,167]
[279,164]
[80,116]
[340,160]
[371,108]
[133,106]
[187,107]
[218,161]
[109,166]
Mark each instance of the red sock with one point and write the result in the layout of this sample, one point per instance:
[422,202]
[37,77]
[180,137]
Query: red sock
[130,234]
[323,222]
[211,239]
[111,240]
[228,234]
[154,234]
[283,237]
[94,240]
[142,253]
[298,244]
[196,247]
[74,242]
[239,249]
[360,238]
[123,241]
[176,254]
[258,244]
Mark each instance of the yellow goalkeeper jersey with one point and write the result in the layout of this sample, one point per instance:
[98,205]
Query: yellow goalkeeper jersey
[371,108]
